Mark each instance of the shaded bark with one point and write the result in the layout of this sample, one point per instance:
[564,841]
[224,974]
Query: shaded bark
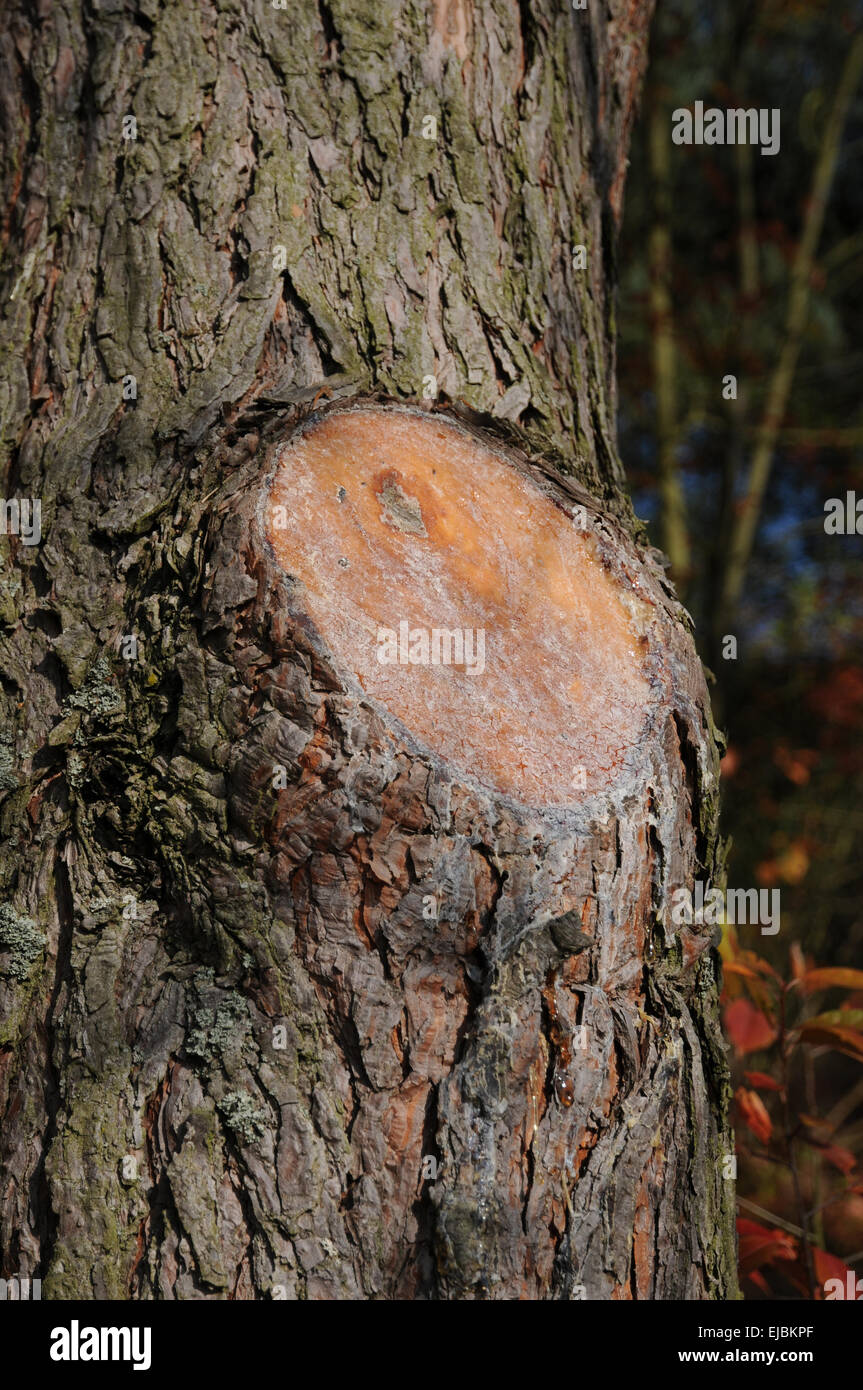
[229,1036]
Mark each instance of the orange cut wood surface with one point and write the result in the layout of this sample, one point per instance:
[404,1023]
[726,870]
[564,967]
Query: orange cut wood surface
[397,526]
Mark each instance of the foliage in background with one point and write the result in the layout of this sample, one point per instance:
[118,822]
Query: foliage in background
[801,1220]
[738,263]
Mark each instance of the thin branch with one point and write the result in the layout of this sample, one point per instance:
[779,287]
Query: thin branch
[785,1054]
[846,1105]
[748,241]
[842,437]
[743,533]
[766,1215]
[675,538]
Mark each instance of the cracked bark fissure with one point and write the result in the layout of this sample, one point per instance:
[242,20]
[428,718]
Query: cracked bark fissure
[230,1034]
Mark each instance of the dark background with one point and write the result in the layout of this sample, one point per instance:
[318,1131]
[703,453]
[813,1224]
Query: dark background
[714,244]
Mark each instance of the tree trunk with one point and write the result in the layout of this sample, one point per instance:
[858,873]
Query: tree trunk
[304,992]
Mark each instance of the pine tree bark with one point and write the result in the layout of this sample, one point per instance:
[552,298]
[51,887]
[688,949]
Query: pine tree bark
[238,1059]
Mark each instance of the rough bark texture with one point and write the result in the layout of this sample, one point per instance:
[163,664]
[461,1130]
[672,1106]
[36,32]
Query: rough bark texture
[229,1034]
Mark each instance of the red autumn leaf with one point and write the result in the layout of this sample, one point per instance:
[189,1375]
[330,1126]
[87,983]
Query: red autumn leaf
[797,764]
[760,1246]
[747,1027]
[813,1122]
[828,1266]
[838,699]
[843,1159]
[759,963]
[791,866]
[762,1082]
[754,1114]
[767,872]
[846,1040]
[733,967]
[831,977]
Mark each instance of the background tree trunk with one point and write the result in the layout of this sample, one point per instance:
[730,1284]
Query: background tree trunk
[229,1039]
